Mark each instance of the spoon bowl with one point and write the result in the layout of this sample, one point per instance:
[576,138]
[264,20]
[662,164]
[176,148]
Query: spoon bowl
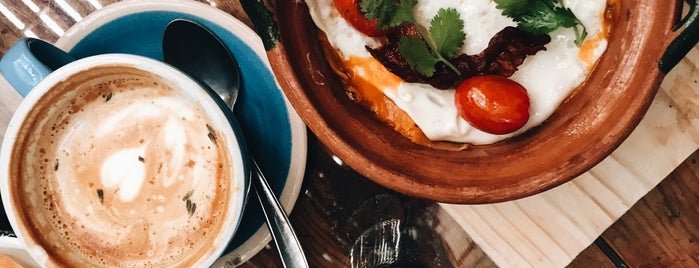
[180,41]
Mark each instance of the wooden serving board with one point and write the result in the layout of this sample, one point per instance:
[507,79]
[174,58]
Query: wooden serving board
[552,228]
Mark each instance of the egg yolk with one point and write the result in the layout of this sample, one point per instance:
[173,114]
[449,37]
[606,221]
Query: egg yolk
[366,79]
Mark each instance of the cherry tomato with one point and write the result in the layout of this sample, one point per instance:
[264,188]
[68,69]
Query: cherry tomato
[493,104]
[351,12]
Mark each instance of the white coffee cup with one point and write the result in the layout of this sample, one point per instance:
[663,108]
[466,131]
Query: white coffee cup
[32,190]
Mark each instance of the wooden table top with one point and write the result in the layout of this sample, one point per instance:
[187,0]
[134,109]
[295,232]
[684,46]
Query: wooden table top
[660,230]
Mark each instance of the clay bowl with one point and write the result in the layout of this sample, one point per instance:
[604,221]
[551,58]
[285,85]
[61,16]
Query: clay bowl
[582,132]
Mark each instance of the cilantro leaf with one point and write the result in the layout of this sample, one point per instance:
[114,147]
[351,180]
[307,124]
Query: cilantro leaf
[541,19]
[513,8]
[447,32]
[416,52]
[388,13]
[542,16]
[380,10]
[405,12]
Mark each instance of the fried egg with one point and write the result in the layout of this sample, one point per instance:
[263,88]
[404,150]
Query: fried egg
[549,76]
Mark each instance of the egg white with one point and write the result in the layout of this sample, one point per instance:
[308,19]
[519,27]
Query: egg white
[549,76]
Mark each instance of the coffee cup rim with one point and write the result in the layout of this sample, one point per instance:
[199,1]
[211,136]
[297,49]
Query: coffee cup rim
[226,123]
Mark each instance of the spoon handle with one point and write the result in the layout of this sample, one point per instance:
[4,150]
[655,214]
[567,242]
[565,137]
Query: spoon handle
[278,223]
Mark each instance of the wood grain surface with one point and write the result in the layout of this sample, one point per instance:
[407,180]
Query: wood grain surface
[614,216]
[552,228]
[661,230]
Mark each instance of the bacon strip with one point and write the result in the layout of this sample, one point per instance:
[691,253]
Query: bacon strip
[505,52]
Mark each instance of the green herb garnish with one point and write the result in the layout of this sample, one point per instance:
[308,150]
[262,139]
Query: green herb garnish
[187,195]
[542,16]
[445,38]
[107,96]
[191,207]
[212,134]
[100,195]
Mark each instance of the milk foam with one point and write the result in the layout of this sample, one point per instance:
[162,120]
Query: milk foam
[123,171]
[128,173]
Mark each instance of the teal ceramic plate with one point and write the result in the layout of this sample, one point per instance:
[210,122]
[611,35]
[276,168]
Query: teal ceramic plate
[274,132]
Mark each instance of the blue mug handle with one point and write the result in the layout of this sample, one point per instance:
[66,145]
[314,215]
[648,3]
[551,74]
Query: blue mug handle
[23,66]
[29,60]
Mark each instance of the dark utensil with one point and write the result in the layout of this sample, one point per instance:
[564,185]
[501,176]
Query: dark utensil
[199,53]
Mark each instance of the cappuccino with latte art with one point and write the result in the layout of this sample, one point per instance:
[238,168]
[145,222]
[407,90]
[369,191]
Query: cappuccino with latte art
[115,166]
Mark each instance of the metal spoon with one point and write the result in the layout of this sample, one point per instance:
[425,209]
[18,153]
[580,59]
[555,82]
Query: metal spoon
[199,53]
